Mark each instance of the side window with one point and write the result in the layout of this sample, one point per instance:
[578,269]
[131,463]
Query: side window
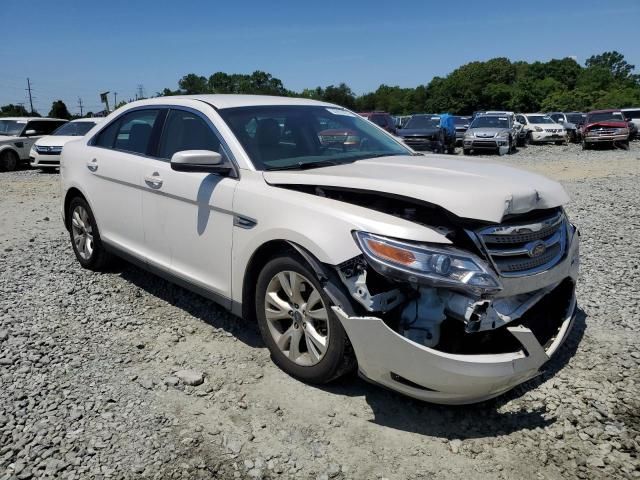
[184,130]
[379,120]
[130,133]
[42,127]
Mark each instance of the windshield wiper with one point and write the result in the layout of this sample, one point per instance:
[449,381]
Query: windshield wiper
[307,165]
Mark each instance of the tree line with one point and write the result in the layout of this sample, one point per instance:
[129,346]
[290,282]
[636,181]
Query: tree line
[606,80]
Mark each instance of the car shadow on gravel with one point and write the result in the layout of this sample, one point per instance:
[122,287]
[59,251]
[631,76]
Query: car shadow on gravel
[480,420]
[192,303]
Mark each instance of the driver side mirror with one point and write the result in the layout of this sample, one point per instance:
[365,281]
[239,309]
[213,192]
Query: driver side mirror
[206,161]
[30,133]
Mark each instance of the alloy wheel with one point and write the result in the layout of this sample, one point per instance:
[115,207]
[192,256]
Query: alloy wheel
[82,232]
[297,318]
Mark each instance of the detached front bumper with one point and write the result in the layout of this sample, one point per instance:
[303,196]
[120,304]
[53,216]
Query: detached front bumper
[547,137]
[387,358]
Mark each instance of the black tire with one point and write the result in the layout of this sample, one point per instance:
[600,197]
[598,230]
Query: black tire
[512,147]
[625,145]
[559,143]
[466,151]
[338,358]
[585,145]
[99,257]
[9,161]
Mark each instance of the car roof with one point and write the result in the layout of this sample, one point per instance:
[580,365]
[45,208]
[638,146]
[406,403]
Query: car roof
[608,110]
[28,119]
[88,119]
[232,100]
[629,109]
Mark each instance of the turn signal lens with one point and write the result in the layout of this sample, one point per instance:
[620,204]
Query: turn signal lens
[389,252]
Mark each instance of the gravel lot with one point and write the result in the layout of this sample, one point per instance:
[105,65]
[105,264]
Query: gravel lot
[95,369]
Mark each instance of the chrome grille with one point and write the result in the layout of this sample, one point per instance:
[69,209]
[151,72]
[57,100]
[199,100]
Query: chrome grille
[518,249]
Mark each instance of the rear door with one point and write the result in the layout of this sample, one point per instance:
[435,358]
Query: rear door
[113,166]
[188,218]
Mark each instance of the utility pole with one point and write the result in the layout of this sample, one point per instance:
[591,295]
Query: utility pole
[115,99]
[140,94]
[28,89]
[80,105]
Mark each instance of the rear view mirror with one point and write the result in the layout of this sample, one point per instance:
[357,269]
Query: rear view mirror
[206,161]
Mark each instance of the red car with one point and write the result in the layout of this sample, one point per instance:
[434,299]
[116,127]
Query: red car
[605,126]
[382,119]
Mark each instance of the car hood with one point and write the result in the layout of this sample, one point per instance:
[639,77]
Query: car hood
[418,132]
[56,140]
[608,123]
[468,189]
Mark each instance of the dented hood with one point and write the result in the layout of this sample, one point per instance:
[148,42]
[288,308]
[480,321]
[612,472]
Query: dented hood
[468,189]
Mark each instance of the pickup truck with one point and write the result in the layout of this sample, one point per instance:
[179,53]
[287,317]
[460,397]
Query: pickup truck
[608,127]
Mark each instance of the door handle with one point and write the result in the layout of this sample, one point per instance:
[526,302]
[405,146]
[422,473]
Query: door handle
[92,165]
[154,180]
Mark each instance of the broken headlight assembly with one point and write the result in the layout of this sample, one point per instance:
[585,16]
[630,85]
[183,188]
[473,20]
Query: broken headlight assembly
[439,266]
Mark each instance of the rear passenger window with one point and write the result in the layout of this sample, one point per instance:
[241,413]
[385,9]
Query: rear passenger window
[130,133]
[184,130]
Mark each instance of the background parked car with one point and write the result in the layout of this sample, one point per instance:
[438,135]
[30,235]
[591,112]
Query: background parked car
[607,127]
[45,152]
[430,132]
[571,128]
[491,132]
[382,119]
[633,117]
[520,135]
[18,134]
[462,124]
[541,128]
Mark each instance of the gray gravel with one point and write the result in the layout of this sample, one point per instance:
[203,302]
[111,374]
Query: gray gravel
[122,375]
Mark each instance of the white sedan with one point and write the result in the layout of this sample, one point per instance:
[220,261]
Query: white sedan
[449,280]
[45,152]
[541,128]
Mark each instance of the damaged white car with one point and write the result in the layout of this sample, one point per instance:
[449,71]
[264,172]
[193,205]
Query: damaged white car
[450,281]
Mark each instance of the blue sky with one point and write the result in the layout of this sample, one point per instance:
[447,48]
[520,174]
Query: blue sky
[72,49]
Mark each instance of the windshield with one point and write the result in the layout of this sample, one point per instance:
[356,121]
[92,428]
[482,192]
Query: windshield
[606,116]
[575,117]
[539,119]
[307,136]
[462,120]
[11,127]
[632,113]
[74,129]
[423,121]
[489,121]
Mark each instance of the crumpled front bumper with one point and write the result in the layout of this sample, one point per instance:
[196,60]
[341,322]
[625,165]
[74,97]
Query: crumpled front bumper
[387,358]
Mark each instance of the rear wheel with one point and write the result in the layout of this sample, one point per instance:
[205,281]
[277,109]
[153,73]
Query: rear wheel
[304,336]
[85,237]
[466,151]
[585,145]
[9,161]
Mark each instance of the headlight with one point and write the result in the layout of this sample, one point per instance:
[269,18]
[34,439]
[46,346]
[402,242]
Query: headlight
[32,152]
[427,264]
[503,135]
[539,129]
[468,135]
[622,131]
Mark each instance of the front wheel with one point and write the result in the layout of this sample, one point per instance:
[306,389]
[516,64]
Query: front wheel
[304,336]
[9,161]
[466,151]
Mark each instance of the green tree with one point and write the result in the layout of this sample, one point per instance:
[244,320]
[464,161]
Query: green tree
[192,84]
[12,110]
[615,63]
[59,110]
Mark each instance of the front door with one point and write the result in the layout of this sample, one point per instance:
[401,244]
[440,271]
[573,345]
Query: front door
[188,218]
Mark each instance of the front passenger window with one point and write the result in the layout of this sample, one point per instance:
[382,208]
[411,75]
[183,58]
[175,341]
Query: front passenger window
[184,130]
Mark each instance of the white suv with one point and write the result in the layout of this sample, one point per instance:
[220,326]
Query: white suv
[18,134]
[45,153]
[447,280]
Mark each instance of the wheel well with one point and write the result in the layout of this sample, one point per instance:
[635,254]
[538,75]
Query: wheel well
[9,150]
[258,260]
[71,194]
